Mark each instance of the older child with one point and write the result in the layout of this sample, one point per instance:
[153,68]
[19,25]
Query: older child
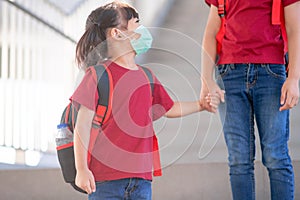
[251,70]
[122,159]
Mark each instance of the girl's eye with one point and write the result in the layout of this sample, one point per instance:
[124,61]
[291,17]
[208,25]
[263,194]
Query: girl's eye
[137,21]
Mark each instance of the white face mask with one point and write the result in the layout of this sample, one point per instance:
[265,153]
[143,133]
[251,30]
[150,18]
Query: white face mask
[143,43]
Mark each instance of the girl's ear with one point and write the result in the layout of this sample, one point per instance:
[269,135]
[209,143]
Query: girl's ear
[115,34]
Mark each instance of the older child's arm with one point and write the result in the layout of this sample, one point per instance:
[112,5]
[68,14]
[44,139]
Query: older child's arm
[84,177]
[290,89]
[181,109]
[208,58]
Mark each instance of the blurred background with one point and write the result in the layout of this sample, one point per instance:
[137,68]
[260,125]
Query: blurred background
[38,74]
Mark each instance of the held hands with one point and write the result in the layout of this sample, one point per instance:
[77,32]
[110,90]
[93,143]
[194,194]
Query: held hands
[211,96]
[213,100]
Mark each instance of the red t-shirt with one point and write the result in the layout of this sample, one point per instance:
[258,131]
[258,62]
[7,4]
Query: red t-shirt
[250,36]
[124,147]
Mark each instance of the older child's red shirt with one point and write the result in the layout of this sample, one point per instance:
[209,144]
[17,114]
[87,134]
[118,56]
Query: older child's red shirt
[250,36]
[124,148]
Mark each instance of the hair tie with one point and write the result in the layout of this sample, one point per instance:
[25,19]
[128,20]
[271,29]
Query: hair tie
[95,23]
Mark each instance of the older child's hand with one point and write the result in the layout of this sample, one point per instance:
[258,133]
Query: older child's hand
[214,100]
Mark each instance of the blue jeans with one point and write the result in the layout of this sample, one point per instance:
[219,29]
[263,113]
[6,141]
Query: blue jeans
[123,189]
[253,92]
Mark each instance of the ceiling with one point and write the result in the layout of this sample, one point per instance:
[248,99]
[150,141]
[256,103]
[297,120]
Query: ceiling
[66,6]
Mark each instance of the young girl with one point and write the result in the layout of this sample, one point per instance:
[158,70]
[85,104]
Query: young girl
[121,164]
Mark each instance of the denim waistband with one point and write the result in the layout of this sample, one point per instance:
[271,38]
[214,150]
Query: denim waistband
[235,65]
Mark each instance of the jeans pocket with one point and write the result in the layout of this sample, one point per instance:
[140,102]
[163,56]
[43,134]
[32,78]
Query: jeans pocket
[222,70]
[276,71]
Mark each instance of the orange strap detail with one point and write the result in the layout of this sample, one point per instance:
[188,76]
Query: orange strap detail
[222,10]
[100,112]
[220,35]
[67,113]
[99,115]
[283,31]
[276,7]
[65,146]
[278,19]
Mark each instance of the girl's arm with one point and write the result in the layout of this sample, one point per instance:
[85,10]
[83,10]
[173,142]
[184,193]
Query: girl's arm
[84,177]
[290,89]
[181,109]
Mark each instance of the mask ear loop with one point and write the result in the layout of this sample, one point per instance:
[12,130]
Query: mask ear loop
[130,37]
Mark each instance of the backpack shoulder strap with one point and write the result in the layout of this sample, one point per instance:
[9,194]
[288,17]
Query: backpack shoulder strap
[221,8]
[278,19]
[105,91]
[150,77]
[276,12]
[69,116]
[103,110]
[157,171]
[222,11]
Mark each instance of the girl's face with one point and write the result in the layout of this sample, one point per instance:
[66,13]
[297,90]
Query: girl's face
[131,27]
[120,38]
[133,24]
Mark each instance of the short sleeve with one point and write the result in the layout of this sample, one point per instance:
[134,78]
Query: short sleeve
[86,93]
[212,2]
[289,2]
[162,102]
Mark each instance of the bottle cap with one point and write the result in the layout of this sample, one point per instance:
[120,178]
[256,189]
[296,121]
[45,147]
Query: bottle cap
[59,126]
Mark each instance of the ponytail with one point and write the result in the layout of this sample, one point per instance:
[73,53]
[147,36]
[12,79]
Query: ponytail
[91,47]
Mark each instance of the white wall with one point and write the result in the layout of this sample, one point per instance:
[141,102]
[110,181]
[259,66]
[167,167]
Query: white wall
[151,12]
[38,70]
[35,67]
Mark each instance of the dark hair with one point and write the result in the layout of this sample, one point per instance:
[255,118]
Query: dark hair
[92,46]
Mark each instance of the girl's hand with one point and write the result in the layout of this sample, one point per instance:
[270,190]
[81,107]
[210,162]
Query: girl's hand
[213,100]
[85,180]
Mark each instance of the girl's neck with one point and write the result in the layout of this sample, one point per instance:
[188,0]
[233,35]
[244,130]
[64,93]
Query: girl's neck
[126,61]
